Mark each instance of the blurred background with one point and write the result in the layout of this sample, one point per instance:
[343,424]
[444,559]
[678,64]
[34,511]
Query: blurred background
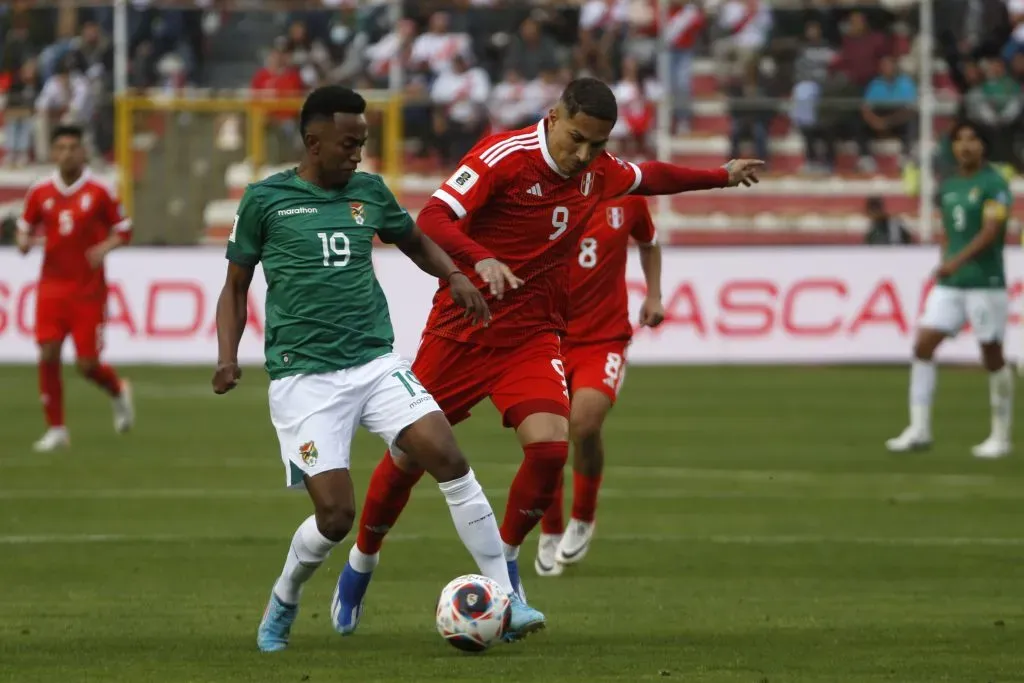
[847,101]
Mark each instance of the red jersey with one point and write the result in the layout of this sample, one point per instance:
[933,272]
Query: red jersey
[73,219]
[598,301]
[516,203]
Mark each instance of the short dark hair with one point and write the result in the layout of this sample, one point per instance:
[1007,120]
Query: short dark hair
[326,101]
[591,97]
[66,131]
[961,124]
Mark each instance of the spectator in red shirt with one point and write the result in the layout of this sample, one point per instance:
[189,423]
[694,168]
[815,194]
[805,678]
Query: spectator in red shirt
[861,52]
[279,79]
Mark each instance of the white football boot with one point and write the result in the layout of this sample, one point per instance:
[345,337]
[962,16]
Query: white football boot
[991,448]
[124,409]
[54,438]
[545,563]
[575,542]
[911,439]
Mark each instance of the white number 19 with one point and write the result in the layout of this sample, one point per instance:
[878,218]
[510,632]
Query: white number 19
[336,249]
[559,221]
[959,218]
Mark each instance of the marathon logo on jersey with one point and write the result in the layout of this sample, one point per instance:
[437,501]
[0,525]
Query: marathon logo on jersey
[358,213]
[463,179]
[616,217]
[297,212]
[587,183]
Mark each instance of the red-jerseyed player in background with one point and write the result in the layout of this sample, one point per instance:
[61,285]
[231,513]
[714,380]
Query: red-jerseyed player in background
[512,215]
[81,222]
[595,360]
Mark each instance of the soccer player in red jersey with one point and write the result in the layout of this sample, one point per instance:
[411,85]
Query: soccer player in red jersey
[511,215]
[594,349]
[80,221]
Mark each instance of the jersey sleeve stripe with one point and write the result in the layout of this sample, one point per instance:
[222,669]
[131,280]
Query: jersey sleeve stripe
[123,226]
[453,203]
[639,177]
[498,148]
[514,148]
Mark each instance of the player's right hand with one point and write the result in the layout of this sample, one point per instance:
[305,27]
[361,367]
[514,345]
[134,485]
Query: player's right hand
[469,297]
[498,276]
[226,377]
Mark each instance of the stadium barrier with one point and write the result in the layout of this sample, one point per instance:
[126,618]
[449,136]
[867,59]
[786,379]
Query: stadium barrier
[789,306]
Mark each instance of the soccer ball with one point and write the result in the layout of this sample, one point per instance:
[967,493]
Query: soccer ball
[472,613]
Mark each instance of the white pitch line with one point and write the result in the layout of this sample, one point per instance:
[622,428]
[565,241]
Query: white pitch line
[680,494]
[716,539]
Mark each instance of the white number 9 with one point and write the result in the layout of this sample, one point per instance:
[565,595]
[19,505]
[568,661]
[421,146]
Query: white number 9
[65,222]
[559,221]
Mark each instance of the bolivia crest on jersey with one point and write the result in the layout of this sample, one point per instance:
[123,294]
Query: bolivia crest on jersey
[358,214]
[616,216]
[587,183]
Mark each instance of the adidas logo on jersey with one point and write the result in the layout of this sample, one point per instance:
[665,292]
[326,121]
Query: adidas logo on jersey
[300,210]
[535,190]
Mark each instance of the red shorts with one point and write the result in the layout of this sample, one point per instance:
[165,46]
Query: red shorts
[600,366]
[58,316]
[520,380]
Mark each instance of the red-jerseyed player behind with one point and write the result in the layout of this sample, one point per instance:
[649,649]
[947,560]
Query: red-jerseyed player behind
[595,360]
[80,221]
[513,212]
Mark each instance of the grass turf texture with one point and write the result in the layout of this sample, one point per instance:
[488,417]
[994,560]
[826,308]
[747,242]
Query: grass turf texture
[752,529]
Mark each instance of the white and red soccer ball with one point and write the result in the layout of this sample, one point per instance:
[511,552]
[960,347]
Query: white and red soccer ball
[473,613]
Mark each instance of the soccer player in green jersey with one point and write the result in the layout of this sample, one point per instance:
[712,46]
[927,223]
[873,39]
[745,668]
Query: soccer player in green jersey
[971,287]
[329,348]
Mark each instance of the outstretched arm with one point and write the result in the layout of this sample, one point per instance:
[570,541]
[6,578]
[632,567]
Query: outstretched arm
[431,259]
[658,177]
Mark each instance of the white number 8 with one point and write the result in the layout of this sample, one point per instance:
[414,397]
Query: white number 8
[588,252]
[65,222]
[559,221]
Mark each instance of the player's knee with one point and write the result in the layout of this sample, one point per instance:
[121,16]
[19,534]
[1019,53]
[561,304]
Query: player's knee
[992,356]
[585,426]
[925,345]
[49,353]
[86,366]
[543,427]
[336,520]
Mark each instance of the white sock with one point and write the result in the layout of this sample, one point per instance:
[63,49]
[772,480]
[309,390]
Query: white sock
[474,520]
[361,562]
[922,390]
[308,551]
[511,552]
[1000,391]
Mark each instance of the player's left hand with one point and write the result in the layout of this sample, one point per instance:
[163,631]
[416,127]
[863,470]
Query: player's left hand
[469,297]
[94,255]
[652,312]
[743,171]
[945,269]
[226,377]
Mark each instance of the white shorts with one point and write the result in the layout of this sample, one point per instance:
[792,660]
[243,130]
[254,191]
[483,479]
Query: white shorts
[948,309]
[316,416]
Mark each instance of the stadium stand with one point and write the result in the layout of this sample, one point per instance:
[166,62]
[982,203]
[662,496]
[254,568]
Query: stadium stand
[801,83]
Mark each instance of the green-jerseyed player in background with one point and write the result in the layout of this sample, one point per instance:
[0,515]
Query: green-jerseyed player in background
[971,287]
[329,348]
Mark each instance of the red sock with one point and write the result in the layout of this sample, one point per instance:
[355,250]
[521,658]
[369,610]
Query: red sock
[584,496]
[552,522]
[533,489]
[105,377]
[51,393]
[390,488]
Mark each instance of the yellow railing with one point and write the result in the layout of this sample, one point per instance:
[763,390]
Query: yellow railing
[255,110]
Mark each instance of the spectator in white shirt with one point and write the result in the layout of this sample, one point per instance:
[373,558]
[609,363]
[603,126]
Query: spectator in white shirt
[745,26]
[435,50]
[602,27]
[64,99]
[509,106]
[636,95]
[460,108]
[686,21]
[543,92]
[397,44]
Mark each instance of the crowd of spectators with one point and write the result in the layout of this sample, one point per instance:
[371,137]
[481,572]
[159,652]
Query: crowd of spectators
[837,71]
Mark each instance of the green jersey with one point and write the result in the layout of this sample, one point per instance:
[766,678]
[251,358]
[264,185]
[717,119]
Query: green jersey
[966,200]
[325,308]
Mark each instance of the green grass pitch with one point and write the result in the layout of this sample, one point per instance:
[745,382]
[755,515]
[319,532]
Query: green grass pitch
[752,529]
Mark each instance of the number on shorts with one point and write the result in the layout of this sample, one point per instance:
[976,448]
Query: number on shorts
[409,381]
[612,368]
[560,369]
[65,222]
[588,252]
[559,221]
[336,249]
[959,218]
